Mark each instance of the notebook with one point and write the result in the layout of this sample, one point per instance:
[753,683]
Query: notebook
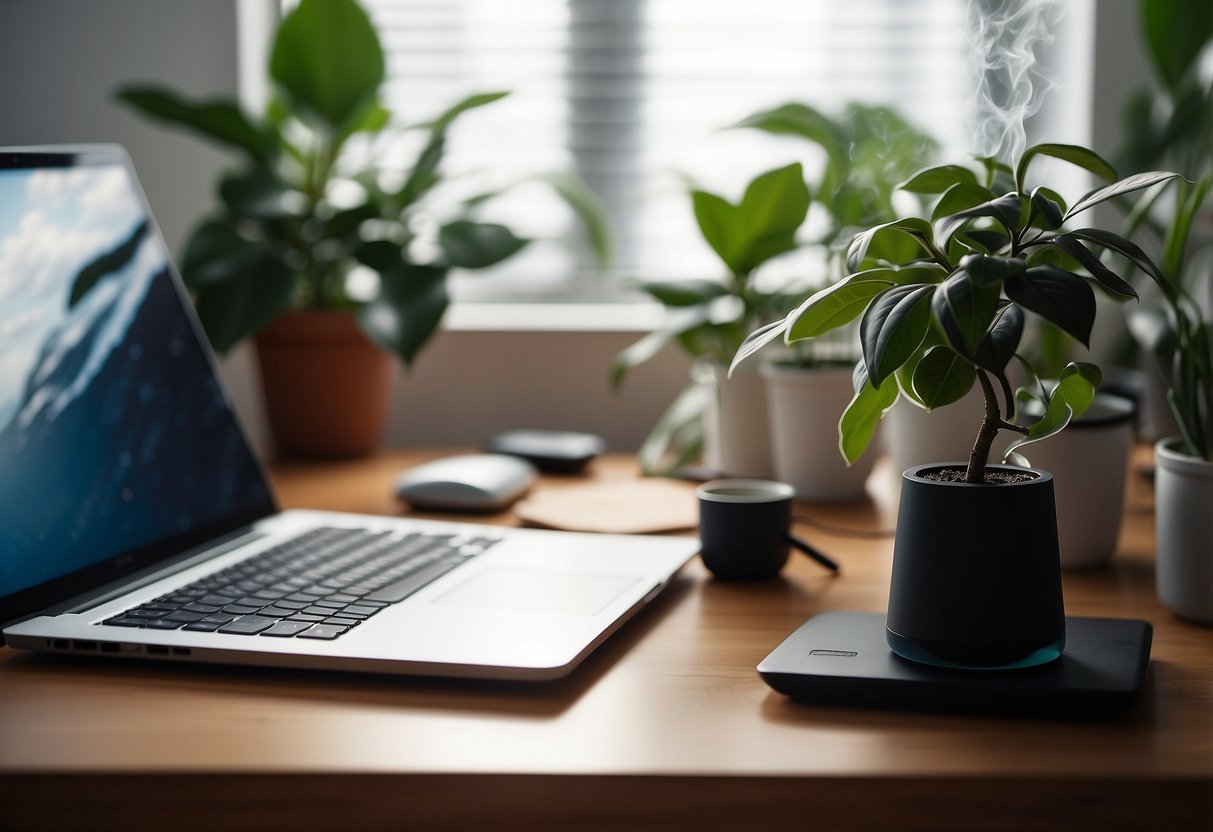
[138,522]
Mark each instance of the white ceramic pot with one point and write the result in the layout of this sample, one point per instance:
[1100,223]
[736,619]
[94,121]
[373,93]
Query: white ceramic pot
[1184,537]
[1088,461]
[736,435]
[915,437]
[804,405]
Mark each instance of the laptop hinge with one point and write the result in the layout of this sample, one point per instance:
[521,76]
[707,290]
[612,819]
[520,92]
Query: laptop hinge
[136,580]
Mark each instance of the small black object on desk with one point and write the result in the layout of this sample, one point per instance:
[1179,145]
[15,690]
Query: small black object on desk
[553,451]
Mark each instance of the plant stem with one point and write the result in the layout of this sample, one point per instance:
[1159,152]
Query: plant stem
[993,422]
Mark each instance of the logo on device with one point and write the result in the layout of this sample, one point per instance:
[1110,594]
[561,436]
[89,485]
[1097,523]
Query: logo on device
[843,653]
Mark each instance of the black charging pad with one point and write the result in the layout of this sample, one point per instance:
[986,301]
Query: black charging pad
[842,658]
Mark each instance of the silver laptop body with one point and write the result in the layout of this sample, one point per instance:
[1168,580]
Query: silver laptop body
[125,480]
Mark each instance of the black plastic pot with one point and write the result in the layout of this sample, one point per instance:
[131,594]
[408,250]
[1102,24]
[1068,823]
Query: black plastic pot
[976,572]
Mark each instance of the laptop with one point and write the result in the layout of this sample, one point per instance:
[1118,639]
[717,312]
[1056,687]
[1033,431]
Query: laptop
[137,521]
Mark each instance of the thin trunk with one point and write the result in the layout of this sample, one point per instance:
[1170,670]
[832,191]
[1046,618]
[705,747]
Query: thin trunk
[979,457]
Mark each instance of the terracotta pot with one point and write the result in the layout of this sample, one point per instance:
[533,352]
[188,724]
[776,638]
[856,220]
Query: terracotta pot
[326,384]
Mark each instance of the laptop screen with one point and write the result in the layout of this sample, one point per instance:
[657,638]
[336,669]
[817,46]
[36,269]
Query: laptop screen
[117,441]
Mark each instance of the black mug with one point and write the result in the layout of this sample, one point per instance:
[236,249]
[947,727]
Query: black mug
[743,529]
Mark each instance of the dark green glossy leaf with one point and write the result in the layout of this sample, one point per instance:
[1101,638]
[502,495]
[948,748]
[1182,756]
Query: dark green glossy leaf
[382,256]
[892,328]
[685,292]
[114,260]
[1062,298]
[988,270]
[1116,285]
[1072,153]
[1047,213]
[996,348]
[863,414]
[219,121]
[1125,186]
[941,377]
[960,197]
[235,308]
[1005,210]
[1124,247]
[936,180]
[988,239]
[475,245]
[258,193]
[327,58]
[964,311]
[216,253]
[410,305]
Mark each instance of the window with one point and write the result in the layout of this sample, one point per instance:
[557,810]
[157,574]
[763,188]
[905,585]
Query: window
[633,95]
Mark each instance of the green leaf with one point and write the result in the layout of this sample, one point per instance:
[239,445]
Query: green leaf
[996,348]
[679,430]
[1116,285]
[114,260]
[960,197]
[772,208]
[684,292]
[917,230]
[382,256]
[892,328]
[863,414]
[328,60]
[718,223]
[990,270]
[480,99]
[1125,248]
[219,121]
[476,245]
[758,339]
[941,377]
[216,252]
[1005,210]
[577,195]
[682,321]
[797,119]
[835,305]
[936,180]
[424,174]
[241,305]
[1125,186]
[1047,213]
[1072,153]
[1071,397]
[257,193]
[410,305]
[1060,297]
[1176,31]
[964,310]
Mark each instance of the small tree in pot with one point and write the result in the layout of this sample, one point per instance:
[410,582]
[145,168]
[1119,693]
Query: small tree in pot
[942,302]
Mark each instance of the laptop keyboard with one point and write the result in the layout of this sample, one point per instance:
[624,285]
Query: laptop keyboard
[318,585]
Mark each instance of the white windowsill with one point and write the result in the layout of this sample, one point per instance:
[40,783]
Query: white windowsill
[554,317]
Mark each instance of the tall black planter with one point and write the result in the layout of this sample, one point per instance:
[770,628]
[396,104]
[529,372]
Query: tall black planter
[976,572]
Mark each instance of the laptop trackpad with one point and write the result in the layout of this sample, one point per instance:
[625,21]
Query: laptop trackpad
[534,590]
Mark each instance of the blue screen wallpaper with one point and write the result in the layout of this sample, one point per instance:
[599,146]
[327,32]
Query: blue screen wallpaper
[114,433]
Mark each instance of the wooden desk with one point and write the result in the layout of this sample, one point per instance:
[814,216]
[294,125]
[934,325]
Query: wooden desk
[667,726]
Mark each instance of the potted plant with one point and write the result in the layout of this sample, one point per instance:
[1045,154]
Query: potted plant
[711,318]
[1175,331]
[942,301]
[333,261]
[866,151]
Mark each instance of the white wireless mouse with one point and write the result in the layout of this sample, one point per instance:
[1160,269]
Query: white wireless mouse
[475,482]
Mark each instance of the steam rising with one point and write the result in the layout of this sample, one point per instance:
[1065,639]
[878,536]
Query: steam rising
[1011,84]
